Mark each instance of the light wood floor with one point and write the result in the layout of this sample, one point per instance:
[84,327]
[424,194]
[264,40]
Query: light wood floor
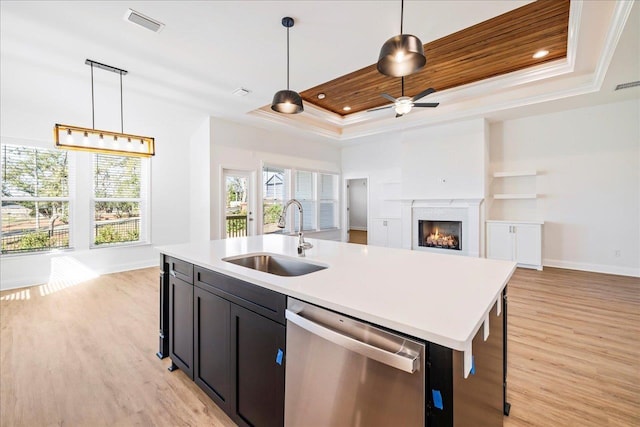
[84,355]
[358,236]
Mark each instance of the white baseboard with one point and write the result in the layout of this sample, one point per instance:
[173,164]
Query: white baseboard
[596,268]
[28,281]
[358,228]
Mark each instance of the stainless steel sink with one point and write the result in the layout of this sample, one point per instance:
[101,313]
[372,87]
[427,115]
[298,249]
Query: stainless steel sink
[275,264]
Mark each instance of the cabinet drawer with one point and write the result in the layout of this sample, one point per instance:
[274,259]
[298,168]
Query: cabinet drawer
[265,302]
[180,269]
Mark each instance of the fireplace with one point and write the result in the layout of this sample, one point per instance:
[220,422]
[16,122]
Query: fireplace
[440,234]
[455,219]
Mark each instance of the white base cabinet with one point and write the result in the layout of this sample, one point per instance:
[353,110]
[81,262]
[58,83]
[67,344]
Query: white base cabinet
[519,241]
[386,232]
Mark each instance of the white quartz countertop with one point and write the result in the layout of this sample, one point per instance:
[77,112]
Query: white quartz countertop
[443,299]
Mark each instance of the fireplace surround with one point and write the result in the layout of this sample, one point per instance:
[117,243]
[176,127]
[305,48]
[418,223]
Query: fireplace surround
[466,212]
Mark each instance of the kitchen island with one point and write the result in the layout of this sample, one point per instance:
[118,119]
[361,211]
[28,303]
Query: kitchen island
[452,303]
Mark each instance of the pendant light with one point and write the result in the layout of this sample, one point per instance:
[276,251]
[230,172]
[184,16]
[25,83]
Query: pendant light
[401,55]
[71,137]
[287,101]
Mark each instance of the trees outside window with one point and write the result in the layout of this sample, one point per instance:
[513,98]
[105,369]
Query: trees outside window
[117,201]
[35,199]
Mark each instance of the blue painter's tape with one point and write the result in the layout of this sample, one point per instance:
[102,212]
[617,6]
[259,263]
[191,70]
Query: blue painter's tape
[473,365]
[437,399]
[279,356]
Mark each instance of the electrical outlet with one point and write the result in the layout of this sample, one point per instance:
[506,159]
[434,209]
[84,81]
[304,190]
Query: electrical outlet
[616,253]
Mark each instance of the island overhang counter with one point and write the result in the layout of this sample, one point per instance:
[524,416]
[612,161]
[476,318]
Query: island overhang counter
[445,300]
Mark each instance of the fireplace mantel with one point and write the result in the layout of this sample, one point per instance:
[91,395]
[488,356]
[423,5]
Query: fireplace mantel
[469,211]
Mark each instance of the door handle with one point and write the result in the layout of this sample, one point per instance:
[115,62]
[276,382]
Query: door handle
[408,364]
[173,273]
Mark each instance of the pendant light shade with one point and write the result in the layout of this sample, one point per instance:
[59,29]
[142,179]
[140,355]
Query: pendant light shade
[287,101]
[401,55]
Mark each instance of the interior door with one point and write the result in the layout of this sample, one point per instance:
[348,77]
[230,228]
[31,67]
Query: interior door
[239,203]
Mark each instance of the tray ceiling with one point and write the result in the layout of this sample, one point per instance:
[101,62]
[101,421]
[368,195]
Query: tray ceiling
[491,48]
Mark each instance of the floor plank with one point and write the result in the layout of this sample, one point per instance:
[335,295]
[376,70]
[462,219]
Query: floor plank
[84,354]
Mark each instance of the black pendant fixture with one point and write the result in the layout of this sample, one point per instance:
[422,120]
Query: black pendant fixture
[287,101]
[401,55]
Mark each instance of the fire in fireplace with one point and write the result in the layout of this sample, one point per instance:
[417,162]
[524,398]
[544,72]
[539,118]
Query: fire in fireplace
[440,234]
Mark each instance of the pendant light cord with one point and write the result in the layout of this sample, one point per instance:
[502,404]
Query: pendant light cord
[401,15]
[287,58]
[121,107]
[93,110]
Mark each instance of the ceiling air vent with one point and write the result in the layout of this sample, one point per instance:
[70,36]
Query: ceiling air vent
[143,20]
[628,85]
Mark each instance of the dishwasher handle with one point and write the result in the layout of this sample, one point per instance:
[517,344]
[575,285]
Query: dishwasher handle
[404,363]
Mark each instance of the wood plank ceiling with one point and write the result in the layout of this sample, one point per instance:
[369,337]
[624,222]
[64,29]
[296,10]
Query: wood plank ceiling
[491,48]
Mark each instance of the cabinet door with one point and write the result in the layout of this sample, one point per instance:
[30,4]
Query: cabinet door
[528,244]
[181,324]
[394,233]
[259,368]
[212,347]
[499,241]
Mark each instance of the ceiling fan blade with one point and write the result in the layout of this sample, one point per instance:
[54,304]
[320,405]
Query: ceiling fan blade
[381,108]
[423,94]
[426,104]
[387,96]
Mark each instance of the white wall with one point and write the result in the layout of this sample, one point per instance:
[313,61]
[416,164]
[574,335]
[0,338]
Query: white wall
[445,162]
[588,163]
[32,123]
[411,165]
[243,147]
[358,204]
[200,179]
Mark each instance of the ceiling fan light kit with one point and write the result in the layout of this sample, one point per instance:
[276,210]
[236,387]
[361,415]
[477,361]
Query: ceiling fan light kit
[287,101]
[401,55]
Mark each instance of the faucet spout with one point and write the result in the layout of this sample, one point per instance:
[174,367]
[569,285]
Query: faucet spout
[302,245]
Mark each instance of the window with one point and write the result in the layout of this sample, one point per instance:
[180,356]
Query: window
[316,191]
[118,206]
[274,195]
[35,199]
[328,198]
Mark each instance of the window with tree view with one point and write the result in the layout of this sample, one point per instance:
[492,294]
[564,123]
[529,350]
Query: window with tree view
[317,192]
[35,199]
[117,203]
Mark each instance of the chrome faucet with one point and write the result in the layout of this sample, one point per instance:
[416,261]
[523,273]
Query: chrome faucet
[302,245]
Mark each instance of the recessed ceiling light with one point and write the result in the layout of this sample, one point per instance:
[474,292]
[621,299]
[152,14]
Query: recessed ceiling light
[241,91]
[540,54]
[347,108]
[321,96]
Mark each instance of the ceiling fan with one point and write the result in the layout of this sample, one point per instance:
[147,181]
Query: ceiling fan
[404,104]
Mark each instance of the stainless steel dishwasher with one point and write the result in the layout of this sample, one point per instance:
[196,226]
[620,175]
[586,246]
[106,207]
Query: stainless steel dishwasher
[342,372]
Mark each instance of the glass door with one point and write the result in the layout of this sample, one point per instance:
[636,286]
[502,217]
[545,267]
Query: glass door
[238,202]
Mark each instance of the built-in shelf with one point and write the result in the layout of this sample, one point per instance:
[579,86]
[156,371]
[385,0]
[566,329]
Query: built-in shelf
[515,196]
[513,174]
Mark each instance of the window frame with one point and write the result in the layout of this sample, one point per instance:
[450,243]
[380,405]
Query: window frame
[290,185]
[69,199]
[143,200]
